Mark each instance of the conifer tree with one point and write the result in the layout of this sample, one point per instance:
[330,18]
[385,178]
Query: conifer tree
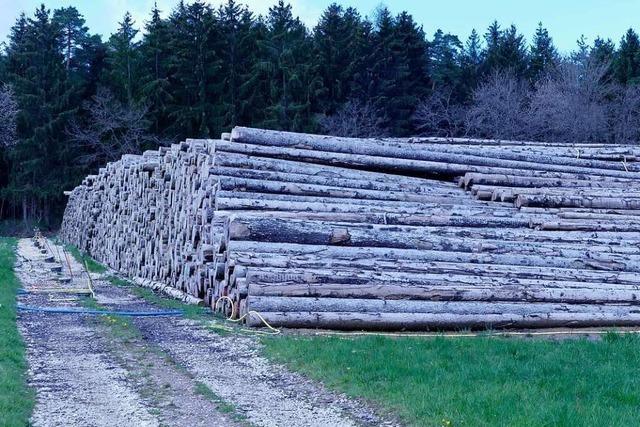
[123,59]
[603,51]
[543,56]
[194,67]
[446,50]
[293,83]
[74,35]
[470,64]
[399,70]
[337,51]
[626,63]
[42,165]
[239,53]
[154,56]
[513,51]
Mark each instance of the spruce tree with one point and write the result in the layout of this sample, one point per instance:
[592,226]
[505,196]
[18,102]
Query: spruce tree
[194,69]
[626,63]
[42,163]
[362,45]
[398,70]
[337,51]
[513,51]
[470,64]
[154,74]
[505,49]
[123,60]
[603,51]
[582,52]
[445,50]
[491,54]
[294,85]
[239,54]
[543,56]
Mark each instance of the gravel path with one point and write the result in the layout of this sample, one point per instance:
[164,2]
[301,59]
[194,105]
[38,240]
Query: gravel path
[84,374]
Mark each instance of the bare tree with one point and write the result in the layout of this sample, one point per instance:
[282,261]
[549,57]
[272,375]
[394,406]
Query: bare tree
[498,107]
[8,115]
[110,130]
[354,119]
[626,115]
[439,115]
[571,104]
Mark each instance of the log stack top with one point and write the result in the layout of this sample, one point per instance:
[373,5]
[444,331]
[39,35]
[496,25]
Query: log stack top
[375,233]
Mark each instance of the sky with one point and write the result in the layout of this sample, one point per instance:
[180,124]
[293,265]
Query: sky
[566,20]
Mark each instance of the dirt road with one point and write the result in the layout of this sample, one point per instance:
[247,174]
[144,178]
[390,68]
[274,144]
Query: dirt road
[152,371]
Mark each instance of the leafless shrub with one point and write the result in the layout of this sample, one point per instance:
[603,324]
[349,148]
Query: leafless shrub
[354,119]
[8,115]
[438,115]
[110,130]
[498,107]
[571,104]
[626,115]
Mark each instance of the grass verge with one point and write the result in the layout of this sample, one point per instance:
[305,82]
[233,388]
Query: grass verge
[478,381]
[92,265]
[16,400]
[188,310]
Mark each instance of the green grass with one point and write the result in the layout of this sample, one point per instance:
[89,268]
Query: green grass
[16,400]
[478,381]
[188,310]
[221,405]
[92,265]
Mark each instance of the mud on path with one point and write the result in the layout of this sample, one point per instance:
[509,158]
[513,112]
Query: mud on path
[154,371]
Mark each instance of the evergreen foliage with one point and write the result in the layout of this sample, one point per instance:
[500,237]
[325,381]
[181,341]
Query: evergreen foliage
[197,71]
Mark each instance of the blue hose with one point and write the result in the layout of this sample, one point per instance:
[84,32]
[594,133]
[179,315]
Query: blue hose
[79,310]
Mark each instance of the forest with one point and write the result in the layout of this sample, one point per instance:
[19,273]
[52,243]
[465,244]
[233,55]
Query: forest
[70,101]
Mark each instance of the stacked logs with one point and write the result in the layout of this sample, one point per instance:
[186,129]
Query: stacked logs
[317,231]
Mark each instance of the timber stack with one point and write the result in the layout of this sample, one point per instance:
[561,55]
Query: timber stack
[417,233]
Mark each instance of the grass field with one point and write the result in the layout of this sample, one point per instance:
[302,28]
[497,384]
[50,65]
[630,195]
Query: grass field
[16,400]
[478,381]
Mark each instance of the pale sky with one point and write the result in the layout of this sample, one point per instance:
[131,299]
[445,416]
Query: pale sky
[566,20]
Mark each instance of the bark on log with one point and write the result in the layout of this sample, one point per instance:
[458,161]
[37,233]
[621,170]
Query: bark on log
[404,151]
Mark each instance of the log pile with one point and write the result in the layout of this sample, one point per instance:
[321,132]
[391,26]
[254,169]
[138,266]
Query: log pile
[417,233]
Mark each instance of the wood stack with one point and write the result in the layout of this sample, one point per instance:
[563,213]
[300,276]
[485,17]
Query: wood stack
[318,231]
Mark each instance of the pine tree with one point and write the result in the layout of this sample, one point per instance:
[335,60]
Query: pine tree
[626,63]
[543,56]
[74,34]
[123,59]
